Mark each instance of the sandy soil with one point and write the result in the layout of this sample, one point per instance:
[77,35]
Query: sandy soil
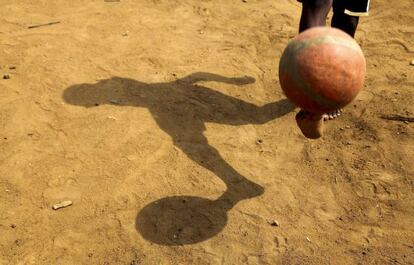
[164,122]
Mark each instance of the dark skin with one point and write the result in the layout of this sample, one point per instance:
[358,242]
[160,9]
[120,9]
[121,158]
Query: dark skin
[314,13]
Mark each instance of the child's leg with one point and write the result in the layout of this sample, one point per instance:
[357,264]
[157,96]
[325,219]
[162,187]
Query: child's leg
[346,17]
[314,13]
[347,23]
[343,21]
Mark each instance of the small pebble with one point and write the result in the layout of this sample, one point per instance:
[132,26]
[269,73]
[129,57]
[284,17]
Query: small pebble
[274,223]
[115,101]
[260,141]
[6,76]
[412,63]
[12,67]
[307,238]
[63,204]
[244,1]
[348,127]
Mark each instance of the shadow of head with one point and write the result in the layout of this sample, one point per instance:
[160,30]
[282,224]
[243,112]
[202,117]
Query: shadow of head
[182,220]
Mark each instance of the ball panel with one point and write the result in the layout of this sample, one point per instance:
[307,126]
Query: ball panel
[322,69]
[296,88]
[296,94]
[332,72]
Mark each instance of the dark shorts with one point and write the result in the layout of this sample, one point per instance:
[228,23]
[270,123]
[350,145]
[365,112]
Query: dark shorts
[351,7]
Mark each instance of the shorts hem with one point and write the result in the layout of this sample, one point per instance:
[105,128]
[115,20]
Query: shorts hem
[356,14]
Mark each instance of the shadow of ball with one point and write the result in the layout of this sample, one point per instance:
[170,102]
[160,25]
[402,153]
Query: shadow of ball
[181,220]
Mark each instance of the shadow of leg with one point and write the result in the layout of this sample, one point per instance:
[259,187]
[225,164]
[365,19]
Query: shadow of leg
[184,220]
[238,187]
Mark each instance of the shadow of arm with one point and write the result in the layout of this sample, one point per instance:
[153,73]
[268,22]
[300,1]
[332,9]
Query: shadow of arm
[273,111]
[260,115]
[203,76]
[246,113]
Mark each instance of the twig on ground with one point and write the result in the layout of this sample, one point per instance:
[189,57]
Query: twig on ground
[397,118]
[42,25]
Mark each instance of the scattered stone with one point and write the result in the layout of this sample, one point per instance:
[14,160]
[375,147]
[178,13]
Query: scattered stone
[63,204]
[259,141]
[412,63]
[13,226]
[6,76]
[244,1]
[307,238]
[348,127]
[12,67]
[115,101]
[274,223]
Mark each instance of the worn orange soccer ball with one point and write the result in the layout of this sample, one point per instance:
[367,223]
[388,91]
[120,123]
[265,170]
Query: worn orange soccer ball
[322,69]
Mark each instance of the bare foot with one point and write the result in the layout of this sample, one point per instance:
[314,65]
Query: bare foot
[310,124]
[332,115]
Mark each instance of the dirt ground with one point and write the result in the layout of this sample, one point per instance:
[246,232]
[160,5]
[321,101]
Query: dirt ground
[164,122]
